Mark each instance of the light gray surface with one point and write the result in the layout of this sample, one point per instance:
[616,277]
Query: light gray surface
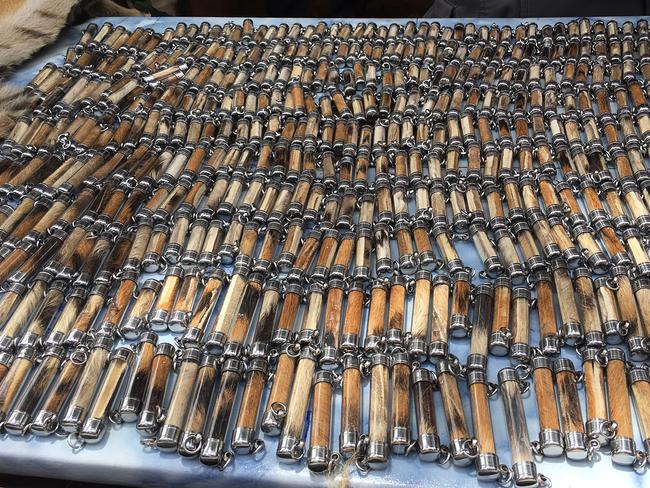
[121,459]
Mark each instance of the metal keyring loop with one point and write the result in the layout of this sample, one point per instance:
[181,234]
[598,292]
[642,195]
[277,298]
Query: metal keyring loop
[75,441]
[505,476]
[258,446]
[279,410]
[79,357]
[227,459]
[334,463]
[193,443]
[115,417]
[444,456]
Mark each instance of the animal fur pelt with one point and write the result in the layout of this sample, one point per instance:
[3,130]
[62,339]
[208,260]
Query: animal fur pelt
[29,25]
[13,102]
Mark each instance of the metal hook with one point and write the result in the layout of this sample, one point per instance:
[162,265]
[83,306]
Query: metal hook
[298,451]
[602,357]
[335,462]
[79,356]
[640,462]
[293,350]
[26,429]
[149,442]
[362,464]
[470,448]
[523,371]
[412,447]
[115,417]
[505,476]
[258,446]
[622,327]
[75,442]
[279,410]
[544,481]
[193,443]
[226,460]
[444,455]
[594,445]
[160,414]
[536,448]
[610,428]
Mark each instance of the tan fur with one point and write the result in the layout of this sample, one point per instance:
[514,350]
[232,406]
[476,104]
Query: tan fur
[13,102]
[109,8]
[8,7]
[29,25]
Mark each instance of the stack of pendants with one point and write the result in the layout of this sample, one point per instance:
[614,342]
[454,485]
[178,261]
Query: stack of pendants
[278,197]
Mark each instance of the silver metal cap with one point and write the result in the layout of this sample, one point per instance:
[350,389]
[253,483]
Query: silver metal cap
[438,350]
[243,440]
[318,459]
[348,443]
[17,422]
[399,439]
[459,453]
[167,440]
[93,430]
[575,445]
[428,447]
[551,345]
[213,453]
[129,409]
[623,451]
[520,351]
[44,423]
[572,333]
[524,474]
[551,442]
[600,430]
[71,421]
[500,343]
[487,466]
[148,422]
[290,449]
[459,326]
[272,422]
[377,455]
